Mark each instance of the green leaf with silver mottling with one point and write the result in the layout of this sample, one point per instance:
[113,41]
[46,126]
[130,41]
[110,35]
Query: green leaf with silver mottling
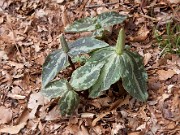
[55,89]
[110,73]
[134,79]
[54,62]
[128,66]
[94,23]
[85,45]
[85,76]
[85,24]
[98,34]
[110,18]
[69,102]
[101,54]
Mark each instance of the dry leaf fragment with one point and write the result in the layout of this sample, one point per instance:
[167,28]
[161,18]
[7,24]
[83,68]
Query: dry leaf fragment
[5,115]
[35,100]
[141,35]
[54,114]
[3,55]
[174,1]
[59,1]
[136,133]
[83,131]
[114,105]
[147,57]
[13,129]
[116,127]
[87,115]
[164,75]
[16,96]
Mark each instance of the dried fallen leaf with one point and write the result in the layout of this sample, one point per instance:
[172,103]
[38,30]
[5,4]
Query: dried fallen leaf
[114,105]
[35,100]
[136,133]
[174,1]
[116,127]
[3,56]
[147,57]
[5,115]
[54,114]
[164,75]
[141,35]
[13,129]
[83,131]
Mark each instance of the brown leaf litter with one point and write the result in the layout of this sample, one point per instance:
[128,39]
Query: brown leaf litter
[29,31]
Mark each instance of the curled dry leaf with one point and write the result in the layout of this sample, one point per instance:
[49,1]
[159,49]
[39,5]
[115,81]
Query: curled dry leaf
[164,75]
[5,115]
[142,34]
[147,57]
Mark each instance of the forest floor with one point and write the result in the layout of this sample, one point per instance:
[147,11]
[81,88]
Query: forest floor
[29,31]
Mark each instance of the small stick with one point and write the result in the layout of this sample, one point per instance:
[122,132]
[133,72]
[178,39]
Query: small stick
[146,16]
[103,5]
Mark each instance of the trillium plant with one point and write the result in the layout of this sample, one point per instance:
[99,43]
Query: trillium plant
[100,24]
[105,66]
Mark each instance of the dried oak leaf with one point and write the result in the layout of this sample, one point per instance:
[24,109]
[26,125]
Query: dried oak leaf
[5,115]
[164,75]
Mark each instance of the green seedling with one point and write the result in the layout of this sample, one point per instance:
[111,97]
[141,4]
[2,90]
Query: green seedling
[170,40]
[99,24]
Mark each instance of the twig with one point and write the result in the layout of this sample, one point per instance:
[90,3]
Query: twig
[146,16]
[102,5]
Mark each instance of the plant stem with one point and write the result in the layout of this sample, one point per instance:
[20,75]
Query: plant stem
[64,43]
[71,63]
[66,49]
[69,86]
[120,42]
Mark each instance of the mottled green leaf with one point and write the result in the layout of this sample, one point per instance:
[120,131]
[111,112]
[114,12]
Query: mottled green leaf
[110,18]
[98,34]
[135,77]
[110,73]
[85,24]
[85,45]
[69,102]
[85,76]
[94,23]
[55,89]
[101,54]
[127,66]
[139,61]
[54,62]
